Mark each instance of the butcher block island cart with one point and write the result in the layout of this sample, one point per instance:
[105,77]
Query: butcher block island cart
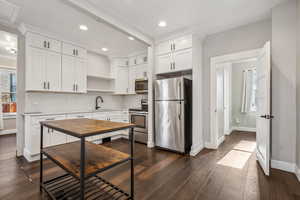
[83,161]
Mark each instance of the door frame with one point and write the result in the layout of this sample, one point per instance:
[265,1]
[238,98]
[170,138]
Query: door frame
[214,61]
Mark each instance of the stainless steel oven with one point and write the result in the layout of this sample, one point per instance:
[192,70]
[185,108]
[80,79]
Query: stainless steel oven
[140,119]
[141,86]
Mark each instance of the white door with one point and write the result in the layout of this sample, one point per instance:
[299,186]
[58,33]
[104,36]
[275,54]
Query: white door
[36,69]
[80,75]
[263,103]
[163,63]
[182,60]
[220,102]
[53,71]
[68,73]
[121,84]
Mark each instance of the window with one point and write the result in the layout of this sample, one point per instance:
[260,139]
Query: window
[8,86]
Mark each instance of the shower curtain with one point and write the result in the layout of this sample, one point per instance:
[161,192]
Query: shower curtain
[248,84]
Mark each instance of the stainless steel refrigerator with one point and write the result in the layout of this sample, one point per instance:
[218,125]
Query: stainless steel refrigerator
[173,114]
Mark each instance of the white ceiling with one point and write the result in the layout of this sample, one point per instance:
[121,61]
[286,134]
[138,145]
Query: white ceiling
[203,16]
[7,42]
[56,17]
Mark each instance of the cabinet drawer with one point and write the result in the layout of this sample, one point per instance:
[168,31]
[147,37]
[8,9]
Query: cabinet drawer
[73,50]
[78,116]
[40,41]
[35,121]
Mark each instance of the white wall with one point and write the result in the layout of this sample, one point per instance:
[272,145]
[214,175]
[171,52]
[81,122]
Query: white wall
[243,38]
[240,119]
[284,82]
[298,85]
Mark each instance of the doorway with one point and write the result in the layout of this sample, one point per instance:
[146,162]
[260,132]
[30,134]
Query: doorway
[240,99]
[8,94]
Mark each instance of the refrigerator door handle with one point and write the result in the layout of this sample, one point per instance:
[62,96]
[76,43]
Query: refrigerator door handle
[179,114]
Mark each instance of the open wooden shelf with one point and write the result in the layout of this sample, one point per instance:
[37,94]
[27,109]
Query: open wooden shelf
[98,157]
[67,187]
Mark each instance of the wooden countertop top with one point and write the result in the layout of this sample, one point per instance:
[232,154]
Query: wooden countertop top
[85,127]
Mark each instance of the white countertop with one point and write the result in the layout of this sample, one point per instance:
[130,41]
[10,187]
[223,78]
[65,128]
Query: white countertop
[73,112]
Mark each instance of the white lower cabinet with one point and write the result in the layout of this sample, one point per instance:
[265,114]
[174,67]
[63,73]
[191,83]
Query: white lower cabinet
[52,137]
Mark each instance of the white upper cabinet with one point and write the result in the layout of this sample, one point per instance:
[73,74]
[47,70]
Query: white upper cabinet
[131,79]
[174,55]
[164,48]
[43,42]
[182,60]
[182,43]
[132,61]
[53,71]
[72,50]
[121,82]
[36,69]
[164,63]
[43,70]
[81,75]
[74,74]
[54,66]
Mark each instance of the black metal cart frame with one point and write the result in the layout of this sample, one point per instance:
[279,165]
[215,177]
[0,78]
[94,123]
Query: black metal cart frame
[70,178]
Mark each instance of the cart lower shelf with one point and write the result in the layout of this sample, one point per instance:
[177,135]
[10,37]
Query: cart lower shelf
[66,187]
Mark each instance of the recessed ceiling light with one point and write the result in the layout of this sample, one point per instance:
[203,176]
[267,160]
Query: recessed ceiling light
[104,49]
[83,27]
[162,24]
[131,38]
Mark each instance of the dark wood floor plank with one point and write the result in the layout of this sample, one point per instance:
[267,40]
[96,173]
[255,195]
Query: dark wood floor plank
[162,175]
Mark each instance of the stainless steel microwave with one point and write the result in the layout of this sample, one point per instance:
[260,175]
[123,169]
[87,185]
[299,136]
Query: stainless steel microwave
[141,86]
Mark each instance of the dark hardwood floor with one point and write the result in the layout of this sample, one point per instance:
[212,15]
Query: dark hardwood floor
[223,174]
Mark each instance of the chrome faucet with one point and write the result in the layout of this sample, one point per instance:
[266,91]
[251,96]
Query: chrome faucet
[99,100]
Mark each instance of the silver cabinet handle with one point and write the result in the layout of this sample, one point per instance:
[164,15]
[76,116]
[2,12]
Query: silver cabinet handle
[73,52]
[174,47]
[74,87]
[44,84]
[48,45]
[45,44]
[48,119]
[48,85]
[174,65]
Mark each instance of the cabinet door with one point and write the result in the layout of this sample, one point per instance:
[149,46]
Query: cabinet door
[142,71]
[81,75]
[132,61]
[121,83]
[68,73]
[182,43]
[163,48]
[183,60]
[53,71]
[36,69]
[163,63]
[131,79]
[56,136]
[54,45]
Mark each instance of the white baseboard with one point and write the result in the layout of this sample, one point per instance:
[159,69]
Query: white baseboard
[284,166]
[297,172]
[196,150]
[246,129]
[210,145]
[8,132]
[220,140]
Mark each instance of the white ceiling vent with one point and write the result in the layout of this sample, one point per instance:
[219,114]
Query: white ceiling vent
[8,12]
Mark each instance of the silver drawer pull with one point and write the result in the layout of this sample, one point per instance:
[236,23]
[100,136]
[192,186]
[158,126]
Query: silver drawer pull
[50,119]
